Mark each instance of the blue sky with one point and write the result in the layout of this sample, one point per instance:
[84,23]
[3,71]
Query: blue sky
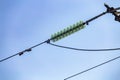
[25,23]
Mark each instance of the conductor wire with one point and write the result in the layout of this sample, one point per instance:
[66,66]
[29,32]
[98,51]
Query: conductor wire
[22,52]
[78,49]
[89,69]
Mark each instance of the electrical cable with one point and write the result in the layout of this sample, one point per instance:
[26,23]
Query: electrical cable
[71,48]
[22,52]
[89,69]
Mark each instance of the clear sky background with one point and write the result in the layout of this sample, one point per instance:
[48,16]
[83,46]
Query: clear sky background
[24,23]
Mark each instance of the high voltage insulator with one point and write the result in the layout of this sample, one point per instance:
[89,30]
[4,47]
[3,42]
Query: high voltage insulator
[80,25]
[67,31]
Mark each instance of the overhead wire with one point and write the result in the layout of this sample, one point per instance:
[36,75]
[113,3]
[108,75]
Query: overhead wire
[89,69]
[80,49]
[48,42]
[22,52]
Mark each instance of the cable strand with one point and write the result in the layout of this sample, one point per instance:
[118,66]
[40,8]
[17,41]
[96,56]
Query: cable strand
[71,48]
[89,69]
[26,50]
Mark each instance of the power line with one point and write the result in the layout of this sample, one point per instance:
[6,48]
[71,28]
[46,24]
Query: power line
[22,52]
[92,68]
[71,48]
[48,41]
[67,32]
